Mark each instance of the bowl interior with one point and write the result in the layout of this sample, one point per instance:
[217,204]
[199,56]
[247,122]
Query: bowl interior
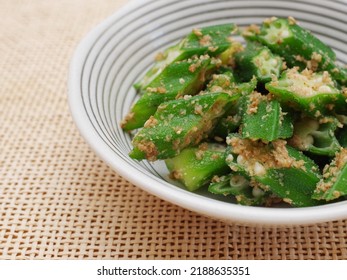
[120,50]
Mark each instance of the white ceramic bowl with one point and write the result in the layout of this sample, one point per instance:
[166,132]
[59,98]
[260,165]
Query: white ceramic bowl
[116,54]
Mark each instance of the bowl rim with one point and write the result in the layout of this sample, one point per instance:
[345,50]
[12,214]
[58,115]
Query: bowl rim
[224,211]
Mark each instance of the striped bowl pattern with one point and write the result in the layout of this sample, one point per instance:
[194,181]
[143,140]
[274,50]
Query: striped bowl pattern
[116,54]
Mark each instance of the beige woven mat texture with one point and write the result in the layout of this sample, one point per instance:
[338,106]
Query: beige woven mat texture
[59,201]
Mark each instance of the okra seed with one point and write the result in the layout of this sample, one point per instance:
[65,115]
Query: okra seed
[259,169]
[257,192]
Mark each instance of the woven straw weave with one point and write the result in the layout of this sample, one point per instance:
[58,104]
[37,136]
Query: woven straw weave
[59,201]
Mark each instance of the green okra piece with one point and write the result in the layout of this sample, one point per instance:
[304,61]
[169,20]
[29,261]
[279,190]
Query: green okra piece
[211,40]
[313,93]
[245,88]
[316,136]
[279,168]
[333,185]
[263,119]
[239,186]
[257,60]
[195,166]
[298,46]
[221,81]
[221,184]
[178,79]
[227,82]
[178,124]
[231,121]
[286,124]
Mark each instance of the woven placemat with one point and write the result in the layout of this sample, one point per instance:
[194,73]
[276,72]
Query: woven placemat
[59,201]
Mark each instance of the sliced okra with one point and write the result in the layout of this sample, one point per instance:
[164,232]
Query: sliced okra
[239,186]
[178,124]
[179,78]
[279,168]
[296,45]
[316,136]
[221,81]
[313,93]
[195,166]
[263,119]
[231,121]
[333,185]
[286,124]
[221,185]
[211,40]
[227,82]
[257,60]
